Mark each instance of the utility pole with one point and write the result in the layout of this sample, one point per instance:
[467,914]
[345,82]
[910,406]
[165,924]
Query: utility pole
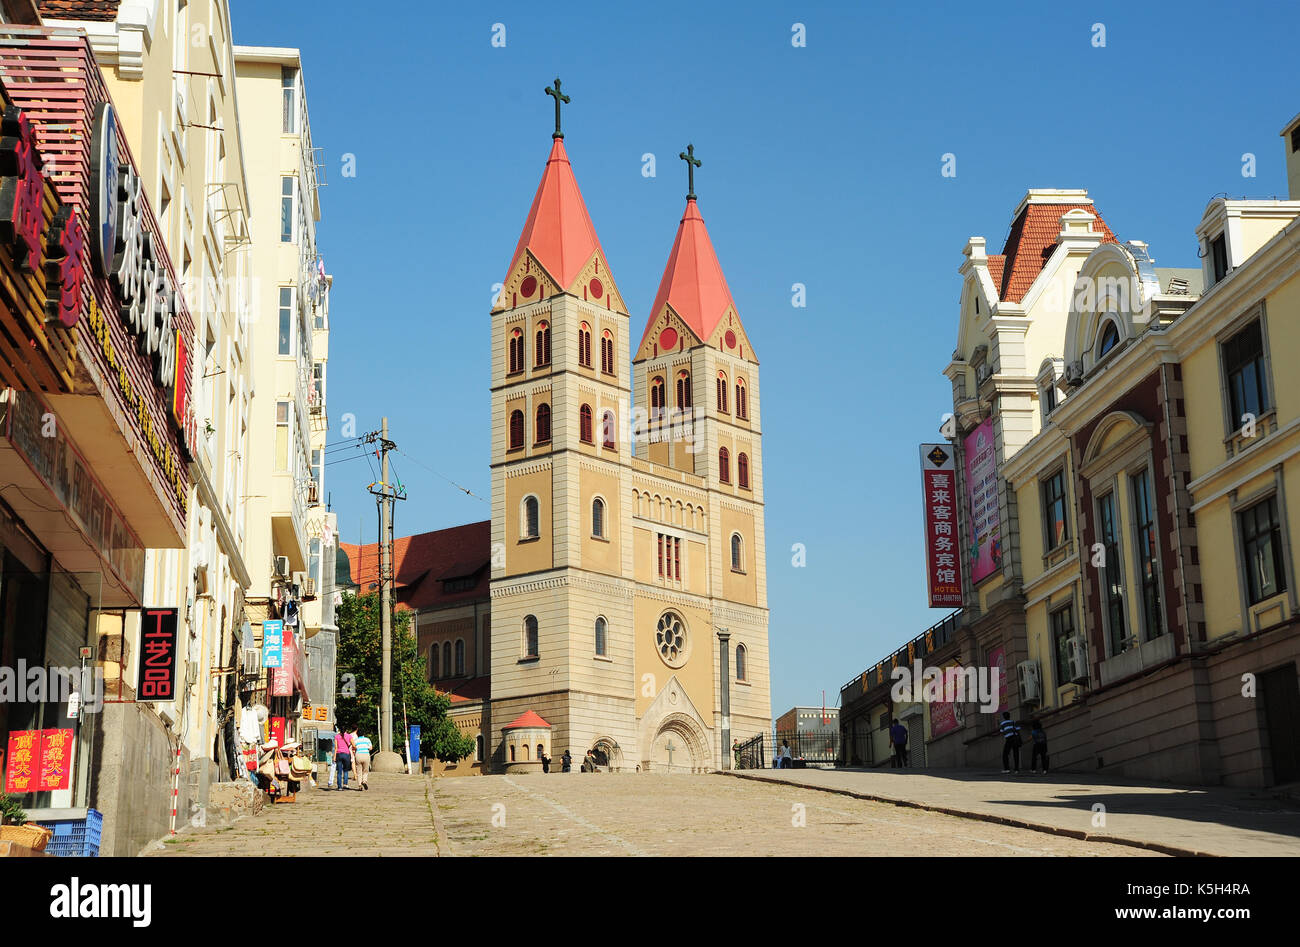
[386,761]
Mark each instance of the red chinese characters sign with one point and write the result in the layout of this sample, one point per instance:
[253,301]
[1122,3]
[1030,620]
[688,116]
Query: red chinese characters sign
[21,187]
[159,651]
[939,487]
[277,730]
[56,760]
[23,761]
[282,676]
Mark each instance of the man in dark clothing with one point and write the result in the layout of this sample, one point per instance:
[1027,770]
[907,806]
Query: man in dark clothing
[1010,742]
[566,762]
[898,739]
[1039,738]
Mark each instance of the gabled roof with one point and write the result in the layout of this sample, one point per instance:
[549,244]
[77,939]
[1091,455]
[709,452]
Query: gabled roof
[558,231]
[693,283]
[424,561]
[526,719]
[1032,241]
[105,10]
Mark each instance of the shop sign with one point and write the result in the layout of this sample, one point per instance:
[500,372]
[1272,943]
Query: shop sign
[982,498]
[159,655]
[277,730]
[272,643]
[282,676]
[22,189]
[64,269]
[60,466]
[939,491]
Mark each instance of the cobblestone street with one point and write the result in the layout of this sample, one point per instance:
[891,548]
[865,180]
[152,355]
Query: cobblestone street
[608,814]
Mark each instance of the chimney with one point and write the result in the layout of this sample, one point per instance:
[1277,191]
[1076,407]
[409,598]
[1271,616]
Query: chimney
[1291,140]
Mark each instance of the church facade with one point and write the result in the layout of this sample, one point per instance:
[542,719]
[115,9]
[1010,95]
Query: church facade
[628,578]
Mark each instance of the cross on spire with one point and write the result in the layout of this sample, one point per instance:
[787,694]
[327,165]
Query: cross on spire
[559,97]
[692,163]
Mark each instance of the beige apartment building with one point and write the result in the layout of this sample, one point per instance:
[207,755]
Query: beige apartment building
[291,534]
[169,67]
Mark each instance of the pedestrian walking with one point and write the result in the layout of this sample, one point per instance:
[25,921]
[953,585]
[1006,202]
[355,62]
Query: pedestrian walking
[546,764]
[1010,742]
[566,762]
[787,761]
[343,745]
[1038,737]
[898,740]
[361,762]
[735,751]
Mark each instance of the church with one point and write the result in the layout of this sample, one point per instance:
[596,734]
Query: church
[628,588]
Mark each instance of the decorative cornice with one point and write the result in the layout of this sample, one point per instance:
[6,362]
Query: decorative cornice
[525,469]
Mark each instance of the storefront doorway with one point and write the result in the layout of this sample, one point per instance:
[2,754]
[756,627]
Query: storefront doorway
[1281,693]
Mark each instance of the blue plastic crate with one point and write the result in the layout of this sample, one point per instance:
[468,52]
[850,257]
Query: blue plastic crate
[77,837]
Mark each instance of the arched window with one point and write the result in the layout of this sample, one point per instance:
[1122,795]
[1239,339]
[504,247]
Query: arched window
[529,518]
[516,430]
[460,657]
[512,752]
[684,390]
[433,663]
[742,663]
[657,403]
[543,346]
[742,399]
[543,423]
[1109,339]
[525,752]
[584,345]
[742,471]
[722,392]
[516,348]
[446,659]
[602,645]
[598,518]
[607,430]
[724,465]
[607,352]
[530,637]
[584,424]
[737,553]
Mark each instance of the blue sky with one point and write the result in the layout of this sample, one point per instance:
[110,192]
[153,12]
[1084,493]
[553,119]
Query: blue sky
[821,166]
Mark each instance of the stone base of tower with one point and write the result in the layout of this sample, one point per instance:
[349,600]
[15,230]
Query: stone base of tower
[579,722]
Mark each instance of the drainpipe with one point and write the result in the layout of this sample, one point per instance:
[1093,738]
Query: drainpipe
[724,679]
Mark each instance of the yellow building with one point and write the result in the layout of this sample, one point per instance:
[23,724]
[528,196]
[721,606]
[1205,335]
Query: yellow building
[629,601]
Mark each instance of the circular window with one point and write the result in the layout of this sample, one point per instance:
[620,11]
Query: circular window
[597,289]
[730,339]
[671,640]
[668,338]
[528,287]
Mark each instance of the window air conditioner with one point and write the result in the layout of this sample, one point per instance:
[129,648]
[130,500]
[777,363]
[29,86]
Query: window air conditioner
[1076,650]
[1074,374]
[1031,684]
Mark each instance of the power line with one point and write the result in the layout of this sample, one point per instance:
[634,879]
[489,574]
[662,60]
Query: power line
[465,490]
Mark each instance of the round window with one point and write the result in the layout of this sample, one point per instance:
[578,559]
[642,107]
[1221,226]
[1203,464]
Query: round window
[671,640]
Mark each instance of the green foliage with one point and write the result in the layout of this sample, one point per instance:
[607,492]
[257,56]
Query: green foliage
[360,654]
[11,812]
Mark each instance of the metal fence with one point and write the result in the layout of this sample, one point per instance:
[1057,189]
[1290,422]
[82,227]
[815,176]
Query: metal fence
[752,754]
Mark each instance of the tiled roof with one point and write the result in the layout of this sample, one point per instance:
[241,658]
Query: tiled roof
[996,262]
[693,283]
[1031,242]
[475,688]
[78,9]
[559,231]
[527,719]
[425,560]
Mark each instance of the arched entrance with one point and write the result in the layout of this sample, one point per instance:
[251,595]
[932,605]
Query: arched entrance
[609,755]
[679,746]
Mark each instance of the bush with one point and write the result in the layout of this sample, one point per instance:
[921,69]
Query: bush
[11,812]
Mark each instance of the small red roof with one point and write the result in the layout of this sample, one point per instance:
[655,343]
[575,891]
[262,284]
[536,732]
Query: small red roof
[558,231]
[693,283]
[527,719]
[424,562]
[1032,241]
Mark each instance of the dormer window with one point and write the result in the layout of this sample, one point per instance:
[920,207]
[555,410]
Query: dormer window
[1219,257]
[1109,339]
[1049,398]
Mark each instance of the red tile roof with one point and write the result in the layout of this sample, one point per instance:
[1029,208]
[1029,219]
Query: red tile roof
[996,262]
[1031,242]
[476,688]
[559,231]
[527,719]
[78,9]
[693,283]
[424,561]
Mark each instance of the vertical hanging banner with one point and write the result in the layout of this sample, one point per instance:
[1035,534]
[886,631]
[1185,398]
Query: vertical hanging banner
[282,676]
[939,487]
[272,643]
[56,760]
[24,761]
[982,497]
[159,655]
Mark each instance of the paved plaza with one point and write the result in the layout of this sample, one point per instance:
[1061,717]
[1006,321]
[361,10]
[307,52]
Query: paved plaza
[610,814]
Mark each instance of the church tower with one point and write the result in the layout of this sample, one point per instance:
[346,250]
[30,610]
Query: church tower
[561,605]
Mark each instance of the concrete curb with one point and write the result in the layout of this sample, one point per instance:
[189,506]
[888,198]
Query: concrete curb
[444,840]
[983,817]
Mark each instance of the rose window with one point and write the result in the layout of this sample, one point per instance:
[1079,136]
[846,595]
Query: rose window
[670,639]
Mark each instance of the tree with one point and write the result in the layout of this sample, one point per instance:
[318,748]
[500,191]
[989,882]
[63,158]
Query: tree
[360,678]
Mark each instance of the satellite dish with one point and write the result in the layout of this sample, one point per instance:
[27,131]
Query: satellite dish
[262,712]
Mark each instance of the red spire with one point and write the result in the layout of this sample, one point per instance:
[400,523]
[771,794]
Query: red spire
[558,230]
[693,283]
